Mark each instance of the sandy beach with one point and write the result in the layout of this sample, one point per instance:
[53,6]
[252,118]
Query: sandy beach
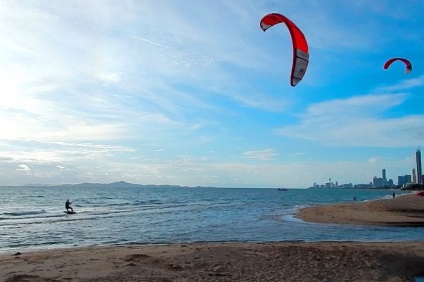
[405,210]
[290,261]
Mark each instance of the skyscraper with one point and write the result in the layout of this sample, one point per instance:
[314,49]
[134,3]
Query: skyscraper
[403,180]
[419,168]
[414,176]
[383,172]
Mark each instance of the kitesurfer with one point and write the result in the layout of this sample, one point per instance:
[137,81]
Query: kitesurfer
[68,206]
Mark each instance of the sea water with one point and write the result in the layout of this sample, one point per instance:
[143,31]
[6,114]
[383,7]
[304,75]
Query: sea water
[34,218]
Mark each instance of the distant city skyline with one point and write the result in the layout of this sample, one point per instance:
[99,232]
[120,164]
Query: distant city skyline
[377,182]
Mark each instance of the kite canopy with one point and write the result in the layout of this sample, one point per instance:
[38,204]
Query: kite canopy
[408,65]
[300,46]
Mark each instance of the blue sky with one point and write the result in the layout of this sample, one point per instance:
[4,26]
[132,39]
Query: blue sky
[195,93]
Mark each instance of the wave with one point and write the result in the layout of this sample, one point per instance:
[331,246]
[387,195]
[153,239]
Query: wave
[96,204]
[23,213]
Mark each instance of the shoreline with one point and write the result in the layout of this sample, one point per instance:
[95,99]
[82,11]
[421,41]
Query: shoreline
[274,261]
[402,211]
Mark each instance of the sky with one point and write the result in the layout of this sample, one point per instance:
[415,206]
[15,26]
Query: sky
[195,94]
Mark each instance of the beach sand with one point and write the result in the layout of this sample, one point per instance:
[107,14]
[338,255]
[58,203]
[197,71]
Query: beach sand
[289,261]
[405,210]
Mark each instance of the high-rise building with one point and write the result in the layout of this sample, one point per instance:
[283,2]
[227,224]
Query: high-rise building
[403,180]
[414,176]
[383,172]
[377,182]
[419,168]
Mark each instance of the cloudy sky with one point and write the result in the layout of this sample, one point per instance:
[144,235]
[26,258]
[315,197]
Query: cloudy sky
[195,93]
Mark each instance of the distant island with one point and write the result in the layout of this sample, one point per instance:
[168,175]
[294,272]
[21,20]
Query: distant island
[119,184]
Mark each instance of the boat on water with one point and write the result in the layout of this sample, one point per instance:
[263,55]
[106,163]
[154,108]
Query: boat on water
[282,189]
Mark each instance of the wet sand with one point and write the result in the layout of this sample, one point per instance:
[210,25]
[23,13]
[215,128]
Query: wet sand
[289,261]
[405,210]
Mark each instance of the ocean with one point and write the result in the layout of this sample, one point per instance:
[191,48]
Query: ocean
[33,218]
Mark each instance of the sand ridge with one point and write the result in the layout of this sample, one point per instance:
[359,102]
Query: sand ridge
[405,210]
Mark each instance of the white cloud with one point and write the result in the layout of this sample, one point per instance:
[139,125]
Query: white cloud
[403,85]
[23,167]
[297,154]
[58,152]
[355,122]
[263,155]
[374,160]
[149,41]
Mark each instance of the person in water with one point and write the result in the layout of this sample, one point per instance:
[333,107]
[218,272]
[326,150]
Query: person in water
[68,206]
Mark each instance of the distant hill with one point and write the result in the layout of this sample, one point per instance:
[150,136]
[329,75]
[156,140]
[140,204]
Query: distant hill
[119,184]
